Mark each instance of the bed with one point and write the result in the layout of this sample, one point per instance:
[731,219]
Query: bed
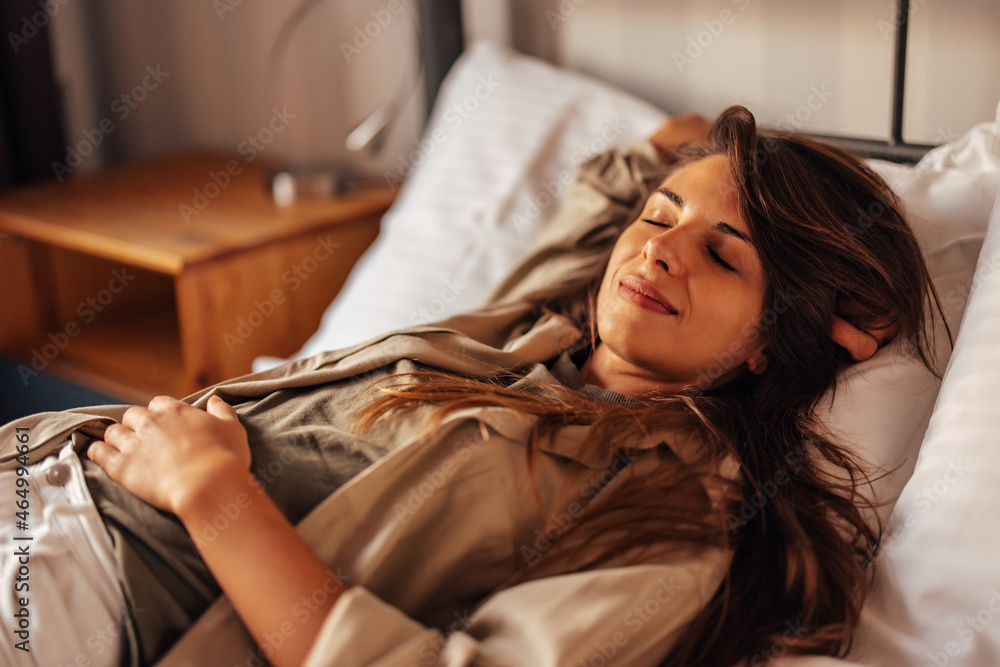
[498,152]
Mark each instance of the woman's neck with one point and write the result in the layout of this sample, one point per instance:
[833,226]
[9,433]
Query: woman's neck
[607,370]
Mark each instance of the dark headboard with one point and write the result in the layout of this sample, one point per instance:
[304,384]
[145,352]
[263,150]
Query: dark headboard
[441,41]
[895,148]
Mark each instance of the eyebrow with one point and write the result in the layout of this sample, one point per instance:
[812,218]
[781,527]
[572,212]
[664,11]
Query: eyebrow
[720,226]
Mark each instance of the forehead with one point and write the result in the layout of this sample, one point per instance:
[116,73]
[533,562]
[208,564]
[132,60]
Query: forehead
[706,185]
[707,175]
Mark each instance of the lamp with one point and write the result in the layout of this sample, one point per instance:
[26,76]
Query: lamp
[292,182]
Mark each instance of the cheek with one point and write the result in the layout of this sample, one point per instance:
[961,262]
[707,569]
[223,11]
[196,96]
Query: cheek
[735,309]
[625,249]
[631,240]
[749,322]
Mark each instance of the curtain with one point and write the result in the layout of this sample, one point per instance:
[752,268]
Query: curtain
[31,130]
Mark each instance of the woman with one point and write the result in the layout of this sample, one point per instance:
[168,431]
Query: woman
[703,341]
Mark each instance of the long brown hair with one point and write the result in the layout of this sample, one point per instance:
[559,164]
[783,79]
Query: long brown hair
[832,240]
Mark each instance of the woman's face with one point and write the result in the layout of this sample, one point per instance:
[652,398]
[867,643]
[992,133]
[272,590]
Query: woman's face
[684,290]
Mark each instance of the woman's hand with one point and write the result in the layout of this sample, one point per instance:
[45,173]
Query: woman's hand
[680,129]
[861,344]
[194,463]
[170,452]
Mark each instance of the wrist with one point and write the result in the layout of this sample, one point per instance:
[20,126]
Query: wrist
[217,484]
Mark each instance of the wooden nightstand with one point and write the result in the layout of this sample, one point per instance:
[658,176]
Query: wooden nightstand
[165,277]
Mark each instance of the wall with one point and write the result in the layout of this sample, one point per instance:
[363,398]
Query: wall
[819,65]
[211,88]
[822,65]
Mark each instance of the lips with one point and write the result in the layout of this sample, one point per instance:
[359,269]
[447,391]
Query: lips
[641,292]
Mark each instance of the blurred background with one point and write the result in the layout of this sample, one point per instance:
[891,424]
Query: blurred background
[216,54]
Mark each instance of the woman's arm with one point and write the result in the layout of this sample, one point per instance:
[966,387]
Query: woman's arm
[677,130]
[629,615]
[195,464]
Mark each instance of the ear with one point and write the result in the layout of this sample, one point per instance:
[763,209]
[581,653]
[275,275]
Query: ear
[757,362]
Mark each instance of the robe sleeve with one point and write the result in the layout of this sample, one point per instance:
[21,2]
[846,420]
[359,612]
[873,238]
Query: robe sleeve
[628,615]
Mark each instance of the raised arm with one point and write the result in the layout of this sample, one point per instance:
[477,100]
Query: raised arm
[678,130]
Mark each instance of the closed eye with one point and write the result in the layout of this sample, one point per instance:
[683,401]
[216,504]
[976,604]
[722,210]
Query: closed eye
[711,251]
[718,260]
[657,223]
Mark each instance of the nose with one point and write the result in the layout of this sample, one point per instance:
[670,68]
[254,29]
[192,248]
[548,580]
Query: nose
[663,251]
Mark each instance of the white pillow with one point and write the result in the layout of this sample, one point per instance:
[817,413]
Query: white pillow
[502,144]
[938,568]
[883,405]
[941,564]
[937,595]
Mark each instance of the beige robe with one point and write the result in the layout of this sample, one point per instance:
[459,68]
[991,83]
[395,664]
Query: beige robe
[427,536]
